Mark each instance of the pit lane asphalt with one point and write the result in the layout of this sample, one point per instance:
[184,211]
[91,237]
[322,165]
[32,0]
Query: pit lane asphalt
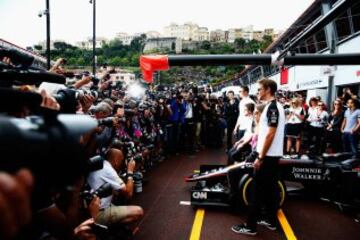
[166,219]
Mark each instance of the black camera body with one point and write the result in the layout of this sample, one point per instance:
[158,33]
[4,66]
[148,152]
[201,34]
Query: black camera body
[48,146]
[103,191]
[108,122]
[68,98]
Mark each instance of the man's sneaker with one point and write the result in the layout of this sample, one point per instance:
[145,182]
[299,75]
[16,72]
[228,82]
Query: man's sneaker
[267,224]
[287,156]
[243,229]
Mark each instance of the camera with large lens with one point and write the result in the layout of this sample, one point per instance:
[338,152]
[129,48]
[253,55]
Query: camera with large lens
[83,92]
[108,122]
[129,112]
[49,146]
[17,58]
[67,98]
[103,191]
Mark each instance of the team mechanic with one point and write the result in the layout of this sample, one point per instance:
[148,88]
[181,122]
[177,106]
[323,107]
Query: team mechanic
[270,149]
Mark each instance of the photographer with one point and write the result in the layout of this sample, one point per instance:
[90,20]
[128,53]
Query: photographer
[188,131]
[177,118]
[110,214]
[231,114]
[15,207]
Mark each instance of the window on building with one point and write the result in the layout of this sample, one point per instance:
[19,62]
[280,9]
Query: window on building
[255,74]
[321,40]
[245,80]
[311,45]
[267,70]
[355,15]
[342,24]
[302,48]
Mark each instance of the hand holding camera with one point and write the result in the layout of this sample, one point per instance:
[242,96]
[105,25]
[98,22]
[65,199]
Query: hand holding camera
[84,230]
[131,166]
[49,101]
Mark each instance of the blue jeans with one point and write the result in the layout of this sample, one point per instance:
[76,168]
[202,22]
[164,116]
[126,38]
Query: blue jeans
[350,143]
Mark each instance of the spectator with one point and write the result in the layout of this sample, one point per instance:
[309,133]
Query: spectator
[350,127]
[347,94]
[317,119]
[231,114]
[243,147]
[333,129]
[245,99]
[293,128]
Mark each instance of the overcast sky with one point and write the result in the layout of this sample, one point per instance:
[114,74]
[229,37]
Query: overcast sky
[71,20]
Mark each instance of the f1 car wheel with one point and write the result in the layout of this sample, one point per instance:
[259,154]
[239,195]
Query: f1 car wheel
[246,187]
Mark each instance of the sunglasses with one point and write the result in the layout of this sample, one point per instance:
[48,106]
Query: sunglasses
[320,105]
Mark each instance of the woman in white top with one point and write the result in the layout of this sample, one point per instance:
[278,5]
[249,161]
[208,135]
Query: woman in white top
[293,127]
[317,119]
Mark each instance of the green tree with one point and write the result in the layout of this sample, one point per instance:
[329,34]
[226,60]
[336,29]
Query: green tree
[38,47]
[80,61]
[72,61]
[206,45]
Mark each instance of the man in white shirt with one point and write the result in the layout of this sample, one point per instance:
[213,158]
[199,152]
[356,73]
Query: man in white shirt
[110,214]
[270,149]
[240,128]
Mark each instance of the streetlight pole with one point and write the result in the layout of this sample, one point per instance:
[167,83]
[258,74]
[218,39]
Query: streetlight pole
[94,37]
[48,34]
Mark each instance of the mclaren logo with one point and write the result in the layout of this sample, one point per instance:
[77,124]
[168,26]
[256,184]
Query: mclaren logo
[199,195]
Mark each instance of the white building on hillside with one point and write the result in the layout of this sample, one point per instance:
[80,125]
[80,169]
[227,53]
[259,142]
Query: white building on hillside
[218,35]
[153,34]
[163,44]
[88,44]
[187,31]
[125,38]
[234,33]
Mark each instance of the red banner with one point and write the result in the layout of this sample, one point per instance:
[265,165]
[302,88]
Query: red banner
[149,64]
[284,76]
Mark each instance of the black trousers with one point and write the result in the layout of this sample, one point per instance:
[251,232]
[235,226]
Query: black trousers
[230,128]
[265,193]
[188,135]
[316,135]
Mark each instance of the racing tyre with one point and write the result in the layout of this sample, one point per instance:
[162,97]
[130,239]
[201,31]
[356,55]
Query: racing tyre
[246,187]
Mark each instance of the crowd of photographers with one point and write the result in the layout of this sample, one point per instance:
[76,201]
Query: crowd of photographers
[79,149]
[310,129]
